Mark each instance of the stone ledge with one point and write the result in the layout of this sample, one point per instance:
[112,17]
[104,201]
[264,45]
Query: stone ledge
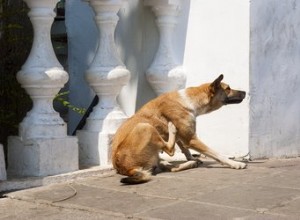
[42,157]
[29,182]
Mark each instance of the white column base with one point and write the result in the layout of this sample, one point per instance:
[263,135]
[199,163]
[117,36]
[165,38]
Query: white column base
[94,148]
[42,157]
[2,164]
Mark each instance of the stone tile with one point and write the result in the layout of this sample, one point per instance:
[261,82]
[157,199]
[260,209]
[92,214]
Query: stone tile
[94,198]
[51,193]
[161,187]
[268,216]
[284,179]
[23,210]
[223,174]
[249,196]
[290,208]
[210,192]
[284,164]
[115,201]
[196,211]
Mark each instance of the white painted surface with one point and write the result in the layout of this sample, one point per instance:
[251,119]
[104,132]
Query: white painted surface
[42,157]
[42,76]
[83,42]
[106,75]
[2,164]
[165,73]
[275,78]
[218,42]
[42,147]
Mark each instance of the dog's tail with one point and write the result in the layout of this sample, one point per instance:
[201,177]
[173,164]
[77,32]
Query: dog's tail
[138,176]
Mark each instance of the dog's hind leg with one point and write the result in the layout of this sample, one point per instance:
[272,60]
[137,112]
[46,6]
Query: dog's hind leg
[138,162]
[168,147]
[186,165]
[166,166]
[137,176]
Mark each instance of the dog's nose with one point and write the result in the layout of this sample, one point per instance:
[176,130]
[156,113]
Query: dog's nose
[243,94]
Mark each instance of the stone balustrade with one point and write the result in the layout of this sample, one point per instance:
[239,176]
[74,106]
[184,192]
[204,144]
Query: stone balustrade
[165,74]
[43,147]
[2,164]
[106,75]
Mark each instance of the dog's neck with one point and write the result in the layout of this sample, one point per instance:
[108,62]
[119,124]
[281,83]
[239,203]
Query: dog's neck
[195,99]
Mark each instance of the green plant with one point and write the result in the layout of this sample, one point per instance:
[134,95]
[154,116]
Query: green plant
[15,43]
[60,97]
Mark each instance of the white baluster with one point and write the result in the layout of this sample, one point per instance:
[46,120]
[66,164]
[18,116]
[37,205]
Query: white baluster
[2,164]
[165,73]
[43,147]
[106,75]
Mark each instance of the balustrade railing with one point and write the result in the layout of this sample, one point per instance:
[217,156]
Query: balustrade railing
[165,74]
[42,147]
[106,75]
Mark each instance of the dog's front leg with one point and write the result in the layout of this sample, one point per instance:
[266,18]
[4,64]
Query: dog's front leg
[197,145]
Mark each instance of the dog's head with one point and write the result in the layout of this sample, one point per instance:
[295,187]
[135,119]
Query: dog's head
[222,94]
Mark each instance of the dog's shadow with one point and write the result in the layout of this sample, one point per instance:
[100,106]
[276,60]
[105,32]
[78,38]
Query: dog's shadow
[202,163]
[205,163]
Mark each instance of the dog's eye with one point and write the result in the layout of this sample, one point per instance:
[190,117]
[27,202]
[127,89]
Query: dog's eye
[227,89]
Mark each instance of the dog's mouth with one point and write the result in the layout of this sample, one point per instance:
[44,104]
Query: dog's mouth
[233,100]
[238,98]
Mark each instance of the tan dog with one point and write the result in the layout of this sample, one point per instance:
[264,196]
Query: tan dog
[137,143]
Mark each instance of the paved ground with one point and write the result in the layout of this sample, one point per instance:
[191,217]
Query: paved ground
[266,190]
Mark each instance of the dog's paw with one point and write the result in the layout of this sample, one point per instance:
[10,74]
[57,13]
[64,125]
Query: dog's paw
[195,157]
[238,165]
[172,128]
[197,163]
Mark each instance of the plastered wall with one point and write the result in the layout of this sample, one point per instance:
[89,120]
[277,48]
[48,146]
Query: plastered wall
[275,78]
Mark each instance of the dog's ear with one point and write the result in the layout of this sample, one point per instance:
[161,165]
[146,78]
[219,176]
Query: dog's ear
[215,85]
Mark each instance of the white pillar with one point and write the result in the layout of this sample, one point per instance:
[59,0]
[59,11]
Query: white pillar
[2,164]
[106,75]
[165,73]
[42,147]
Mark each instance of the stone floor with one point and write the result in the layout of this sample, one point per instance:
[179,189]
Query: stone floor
[268,189]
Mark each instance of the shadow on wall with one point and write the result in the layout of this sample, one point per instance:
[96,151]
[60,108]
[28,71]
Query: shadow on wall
[137,40]
[82,44]
[150,43]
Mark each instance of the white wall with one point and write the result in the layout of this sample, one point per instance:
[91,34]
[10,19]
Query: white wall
[218,42]
[275,78]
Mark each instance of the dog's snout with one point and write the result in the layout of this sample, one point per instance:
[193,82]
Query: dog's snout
[243,94]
